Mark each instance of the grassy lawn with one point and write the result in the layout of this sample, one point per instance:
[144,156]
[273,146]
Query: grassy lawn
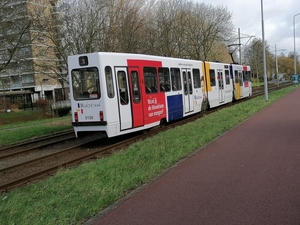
[257,84]
[74,195]
[22,116]
[22,125]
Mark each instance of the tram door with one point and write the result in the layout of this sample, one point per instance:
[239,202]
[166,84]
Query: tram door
[135,96]
[238,77]
[123,98]
[188,90]
[221,86]
[246,82]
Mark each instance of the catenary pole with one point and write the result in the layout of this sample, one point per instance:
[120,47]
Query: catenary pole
[295,58]
[264,53]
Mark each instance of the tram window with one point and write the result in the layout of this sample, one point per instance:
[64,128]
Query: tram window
[123,88]
[212,77]
[164,79]
[150,80]
[220,80]
[196,78]
[236,77]
[86,84]
[109,82]
[83,61]
[187,82]
[190,82]
[135,86]
[176,80]
[241,78]
[185,87]
[246,75]
[227,79]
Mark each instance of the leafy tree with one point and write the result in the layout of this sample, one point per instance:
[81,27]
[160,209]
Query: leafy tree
[286,65]
[253,55]
[291,57]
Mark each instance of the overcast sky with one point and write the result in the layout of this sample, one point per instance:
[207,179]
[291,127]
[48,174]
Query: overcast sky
[278,21]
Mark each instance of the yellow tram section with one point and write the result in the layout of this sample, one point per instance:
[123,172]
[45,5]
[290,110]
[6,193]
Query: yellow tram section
[206,74]
[237,82]
[237,90]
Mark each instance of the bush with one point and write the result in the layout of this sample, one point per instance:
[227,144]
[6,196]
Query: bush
[13,107]
[42,103]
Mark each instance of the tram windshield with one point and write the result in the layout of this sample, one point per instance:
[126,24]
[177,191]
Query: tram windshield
[85,83]
[246,76]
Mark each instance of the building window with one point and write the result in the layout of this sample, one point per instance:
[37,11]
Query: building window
[28,78]
[26,52]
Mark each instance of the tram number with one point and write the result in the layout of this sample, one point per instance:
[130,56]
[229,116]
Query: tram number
[89,117]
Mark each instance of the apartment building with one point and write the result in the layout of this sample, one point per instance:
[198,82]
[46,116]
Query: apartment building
[29,65]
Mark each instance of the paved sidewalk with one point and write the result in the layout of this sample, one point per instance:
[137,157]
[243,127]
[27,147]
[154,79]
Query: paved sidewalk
[250,175]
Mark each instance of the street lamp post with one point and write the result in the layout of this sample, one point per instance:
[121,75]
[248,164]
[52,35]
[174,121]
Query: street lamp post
[276,62]
[295,58]
[264,53]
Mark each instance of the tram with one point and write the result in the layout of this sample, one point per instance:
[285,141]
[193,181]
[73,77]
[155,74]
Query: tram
[120,93]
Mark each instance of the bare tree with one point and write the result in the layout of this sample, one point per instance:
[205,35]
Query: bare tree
[127,25]
[93,25]
[83,26]
[168,19]
[208,27]
[187,29]
[171,27]
[65,28]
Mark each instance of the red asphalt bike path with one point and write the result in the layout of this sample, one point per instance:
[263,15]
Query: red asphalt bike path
[250,175]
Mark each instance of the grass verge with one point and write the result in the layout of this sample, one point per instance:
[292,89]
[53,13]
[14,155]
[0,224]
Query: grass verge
[74,195]
[15,132]
[22,116]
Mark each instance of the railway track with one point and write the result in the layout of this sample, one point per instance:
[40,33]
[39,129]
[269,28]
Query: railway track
[26,162]
[41,166]
[34,144]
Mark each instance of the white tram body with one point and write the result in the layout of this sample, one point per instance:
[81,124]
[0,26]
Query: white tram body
[242,81]
[119,93]
[219,86]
